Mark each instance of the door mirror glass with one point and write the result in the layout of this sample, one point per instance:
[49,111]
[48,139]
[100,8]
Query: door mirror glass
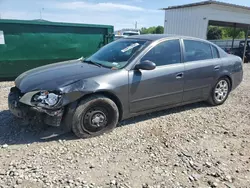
[145,65]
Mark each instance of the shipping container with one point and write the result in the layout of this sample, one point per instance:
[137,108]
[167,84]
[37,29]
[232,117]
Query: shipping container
[28,44]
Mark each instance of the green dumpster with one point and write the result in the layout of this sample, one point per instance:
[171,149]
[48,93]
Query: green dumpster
[28,44]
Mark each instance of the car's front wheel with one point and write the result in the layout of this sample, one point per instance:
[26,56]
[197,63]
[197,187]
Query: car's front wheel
[220,92]
[94,116]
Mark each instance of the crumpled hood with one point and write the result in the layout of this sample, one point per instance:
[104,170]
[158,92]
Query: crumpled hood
[56,75]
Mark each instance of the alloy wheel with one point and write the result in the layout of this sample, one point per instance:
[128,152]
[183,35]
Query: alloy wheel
[221,91]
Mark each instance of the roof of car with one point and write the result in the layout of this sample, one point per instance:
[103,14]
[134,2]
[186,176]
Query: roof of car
[154,37]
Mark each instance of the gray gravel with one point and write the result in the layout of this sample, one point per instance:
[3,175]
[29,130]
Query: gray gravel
[191,146]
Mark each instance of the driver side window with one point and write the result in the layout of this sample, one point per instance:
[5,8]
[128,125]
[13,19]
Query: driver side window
[197,50]
[165,53]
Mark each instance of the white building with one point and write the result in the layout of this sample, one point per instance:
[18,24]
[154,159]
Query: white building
[193,19]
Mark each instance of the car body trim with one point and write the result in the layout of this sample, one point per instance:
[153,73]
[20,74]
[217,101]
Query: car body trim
[205,86]
[156,96]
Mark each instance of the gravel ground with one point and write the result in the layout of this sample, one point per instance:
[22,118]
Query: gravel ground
[190,146]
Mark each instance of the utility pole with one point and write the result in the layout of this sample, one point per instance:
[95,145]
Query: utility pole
[245,45]
[234,32]
[41,13]
[0,12]
[136,25]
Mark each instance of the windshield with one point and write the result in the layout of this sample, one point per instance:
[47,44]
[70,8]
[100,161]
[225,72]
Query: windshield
[117,54]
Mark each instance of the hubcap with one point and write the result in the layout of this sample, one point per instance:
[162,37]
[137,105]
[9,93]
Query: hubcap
[221,90]
[97,119]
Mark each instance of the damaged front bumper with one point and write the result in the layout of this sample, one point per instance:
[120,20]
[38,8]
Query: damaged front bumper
[32,113]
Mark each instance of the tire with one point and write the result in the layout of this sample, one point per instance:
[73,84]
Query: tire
[217,92]
[94,116]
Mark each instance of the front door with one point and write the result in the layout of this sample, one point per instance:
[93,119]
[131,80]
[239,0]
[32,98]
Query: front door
[162,86]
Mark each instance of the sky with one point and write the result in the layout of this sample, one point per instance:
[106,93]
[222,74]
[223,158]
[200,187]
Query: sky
[120,14]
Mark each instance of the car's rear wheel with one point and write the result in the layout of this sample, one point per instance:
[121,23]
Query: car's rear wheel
[220,92]
[94,116]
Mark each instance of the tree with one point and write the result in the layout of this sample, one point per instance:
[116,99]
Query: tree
[152,30]
[144,30]
[230,32]
[214,33]
[159,30]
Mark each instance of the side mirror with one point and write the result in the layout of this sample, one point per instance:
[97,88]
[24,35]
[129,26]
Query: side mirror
[145,65]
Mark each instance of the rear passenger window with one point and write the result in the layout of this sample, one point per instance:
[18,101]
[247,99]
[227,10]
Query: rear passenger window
[215,52]
[196,51]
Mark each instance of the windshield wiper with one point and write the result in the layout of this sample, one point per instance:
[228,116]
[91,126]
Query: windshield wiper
[92,62]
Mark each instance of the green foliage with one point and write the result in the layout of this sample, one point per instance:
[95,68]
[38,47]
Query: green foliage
[214,33]
[159,30]
[230,32]
[152,30]
[225,33]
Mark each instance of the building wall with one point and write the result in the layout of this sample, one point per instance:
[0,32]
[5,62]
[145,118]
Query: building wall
[186,21]
[193,21]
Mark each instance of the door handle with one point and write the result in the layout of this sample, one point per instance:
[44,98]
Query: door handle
[179,75]
[217,67]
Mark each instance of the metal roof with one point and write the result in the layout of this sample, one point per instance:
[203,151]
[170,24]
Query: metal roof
[228,24]
[210,2]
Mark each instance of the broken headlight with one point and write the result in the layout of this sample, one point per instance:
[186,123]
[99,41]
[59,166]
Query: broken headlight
[46,98]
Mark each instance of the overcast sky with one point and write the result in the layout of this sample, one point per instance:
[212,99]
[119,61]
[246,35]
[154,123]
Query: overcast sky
[121,14]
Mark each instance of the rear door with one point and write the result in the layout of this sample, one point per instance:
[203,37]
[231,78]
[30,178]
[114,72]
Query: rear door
[200,69]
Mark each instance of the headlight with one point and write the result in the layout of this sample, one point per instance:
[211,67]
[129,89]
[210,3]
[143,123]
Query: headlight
[45,98]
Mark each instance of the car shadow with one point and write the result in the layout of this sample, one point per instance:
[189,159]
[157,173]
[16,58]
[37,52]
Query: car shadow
[14,131]
[160,113]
